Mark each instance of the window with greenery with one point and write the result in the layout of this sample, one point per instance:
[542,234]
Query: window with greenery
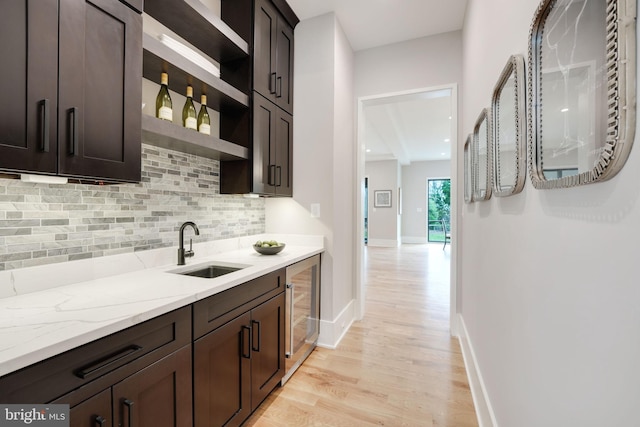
[439,208]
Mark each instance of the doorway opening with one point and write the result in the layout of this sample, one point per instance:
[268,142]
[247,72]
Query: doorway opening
[371,112]
[438,209]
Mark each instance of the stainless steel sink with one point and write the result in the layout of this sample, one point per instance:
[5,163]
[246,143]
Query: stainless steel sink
[211,271]
[208,271]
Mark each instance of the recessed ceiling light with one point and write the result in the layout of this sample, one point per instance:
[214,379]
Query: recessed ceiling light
[368,150]
[449,117]
[564,110]
[443,154]
[447,140]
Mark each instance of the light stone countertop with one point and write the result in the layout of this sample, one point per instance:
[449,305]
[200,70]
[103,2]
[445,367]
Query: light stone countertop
[47,310]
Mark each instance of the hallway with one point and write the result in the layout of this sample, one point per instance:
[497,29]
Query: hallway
[397,367]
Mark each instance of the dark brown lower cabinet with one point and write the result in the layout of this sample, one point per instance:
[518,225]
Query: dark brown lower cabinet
[93,412]
[155,375]
[156,396]
[267,348]
[238,364]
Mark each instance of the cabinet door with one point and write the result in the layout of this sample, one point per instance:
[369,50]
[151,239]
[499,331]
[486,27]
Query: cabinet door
[159,395]
[264,145]
[284,68]
[284,154]
[100,90]
[273,56]
[28,122]
[272,149]
[222,375]
[267,348]
[93,412]
[264,49]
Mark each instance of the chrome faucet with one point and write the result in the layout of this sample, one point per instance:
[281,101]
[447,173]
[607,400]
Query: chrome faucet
[182,254]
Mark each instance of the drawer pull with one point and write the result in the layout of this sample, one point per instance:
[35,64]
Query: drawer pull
[107,362]
[100,421]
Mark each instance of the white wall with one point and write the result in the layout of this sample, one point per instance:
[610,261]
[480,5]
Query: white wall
[550,288]
[414,197]
[323,160]
[383,223]
[414,64]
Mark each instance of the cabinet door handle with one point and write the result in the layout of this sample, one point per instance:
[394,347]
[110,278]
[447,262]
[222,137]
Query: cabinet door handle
[272,83]
[106,362]
[73,125]
[290,289]
[100,421]
[255,322]
[44,125]
[246,343]
[279,170]
[271,179]
[279,87]
[129,406]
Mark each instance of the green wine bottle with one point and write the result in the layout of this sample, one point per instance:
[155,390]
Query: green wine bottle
[189,118]
[204,121]
[164,107]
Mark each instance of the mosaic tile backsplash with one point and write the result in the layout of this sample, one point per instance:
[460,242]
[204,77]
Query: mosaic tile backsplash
[44,223]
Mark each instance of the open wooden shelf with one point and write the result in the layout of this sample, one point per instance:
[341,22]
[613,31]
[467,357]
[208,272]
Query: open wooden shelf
[193,21]
[165,134]
[158,58]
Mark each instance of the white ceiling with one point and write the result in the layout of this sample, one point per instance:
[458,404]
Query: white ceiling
[372,23]
[409,127]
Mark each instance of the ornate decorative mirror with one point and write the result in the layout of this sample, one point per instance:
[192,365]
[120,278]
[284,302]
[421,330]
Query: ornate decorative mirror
[468,170]
[482,157]
[582,84]
[508,113]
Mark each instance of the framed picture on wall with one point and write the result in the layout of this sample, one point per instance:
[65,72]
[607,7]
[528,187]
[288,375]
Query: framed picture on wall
[382,199]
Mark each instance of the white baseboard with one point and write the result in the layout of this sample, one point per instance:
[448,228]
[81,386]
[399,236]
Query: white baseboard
[331,332]
[414,239]
[484,411]
[383,243]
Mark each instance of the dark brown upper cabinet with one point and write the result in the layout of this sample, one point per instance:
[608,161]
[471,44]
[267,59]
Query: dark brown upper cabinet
[100,90]
[273,149]
[28,105]
[273,56]
[270,171]
[71,101]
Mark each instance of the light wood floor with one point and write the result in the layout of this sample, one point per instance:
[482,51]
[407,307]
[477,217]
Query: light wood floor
[396,367]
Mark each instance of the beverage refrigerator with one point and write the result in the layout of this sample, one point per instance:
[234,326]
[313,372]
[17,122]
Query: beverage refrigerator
[302,312]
